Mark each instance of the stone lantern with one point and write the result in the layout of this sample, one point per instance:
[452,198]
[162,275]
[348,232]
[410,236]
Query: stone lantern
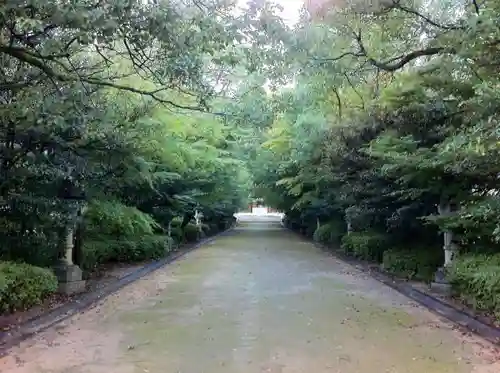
[69,274]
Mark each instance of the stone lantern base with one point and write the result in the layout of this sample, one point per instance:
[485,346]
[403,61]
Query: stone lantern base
[440,284]
[70,278]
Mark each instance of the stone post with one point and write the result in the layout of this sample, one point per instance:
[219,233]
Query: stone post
[440,283]
[198,220]
[169,229]
[70,275]
[450,249]
[68,248]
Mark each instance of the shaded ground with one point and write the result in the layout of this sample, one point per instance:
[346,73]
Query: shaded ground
[107,275]
[485,317]
[257,300]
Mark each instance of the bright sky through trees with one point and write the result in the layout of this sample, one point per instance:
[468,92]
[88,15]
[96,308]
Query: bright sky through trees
[291,9]
[290,12]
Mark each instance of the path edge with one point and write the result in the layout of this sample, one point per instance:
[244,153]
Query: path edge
[462,319]
[79,304]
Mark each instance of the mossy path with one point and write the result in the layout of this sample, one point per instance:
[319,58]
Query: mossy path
[255,300]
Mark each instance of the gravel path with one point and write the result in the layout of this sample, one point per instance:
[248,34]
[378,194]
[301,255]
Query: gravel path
[255,300]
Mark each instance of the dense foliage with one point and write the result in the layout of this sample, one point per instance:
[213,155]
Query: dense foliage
[391,129]
[372,125]
[110,127]
[24,285]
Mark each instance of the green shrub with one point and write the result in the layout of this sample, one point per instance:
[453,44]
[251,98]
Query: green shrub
[148,247]
[309,229]
[176,222]
[420,264]
[210,228]
[476,279]
[176,234]
[220,225]
[116,219]
[329,233]
[23,285]
[365,245]
[213,228]
[97,252]
[126,250]
[20,243]
[191,233]
[207,230]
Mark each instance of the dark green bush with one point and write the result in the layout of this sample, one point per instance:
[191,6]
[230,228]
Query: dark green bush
[476,280]
[222,224]
[213,228]
[97,252]
[329,233]
[148,247]
[365,245]
[419,264]
[207,230]
[23,244]
[176,234]
[116,219]
[23,285]
[191,233]
[126,250]
[309,229]
[176,222]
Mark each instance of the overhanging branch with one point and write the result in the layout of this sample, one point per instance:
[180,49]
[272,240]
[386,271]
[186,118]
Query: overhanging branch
[30,59]
[333,59]
[406,59]
[402,60]
[476,6]
[392,64]
[397,5]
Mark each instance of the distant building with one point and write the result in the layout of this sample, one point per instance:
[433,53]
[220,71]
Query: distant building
[258,207]
[257,203]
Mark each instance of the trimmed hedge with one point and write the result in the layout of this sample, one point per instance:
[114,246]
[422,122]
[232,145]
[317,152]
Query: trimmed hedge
[36,248]
[365,245]
[308,230]
[112,218]
[23,285]
[476,280]
[419,264]
[207,230]
[101,251]
[330,233]
[191,233]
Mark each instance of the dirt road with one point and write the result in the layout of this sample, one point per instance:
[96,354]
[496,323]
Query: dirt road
[255,300]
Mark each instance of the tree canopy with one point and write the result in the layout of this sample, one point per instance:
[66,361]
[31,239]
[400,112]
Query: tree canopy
[387,138]
[110,116]
[367,123]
